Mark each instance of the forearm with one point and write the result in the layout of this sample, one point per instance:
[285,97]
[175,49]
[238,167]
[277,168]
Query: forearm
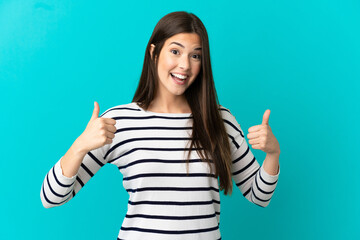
[271,163]
[71,161]
[58,184]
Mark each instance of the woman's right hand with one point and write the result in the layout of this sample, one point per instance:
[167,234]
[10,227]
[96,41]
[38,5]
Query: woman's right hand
[98,132]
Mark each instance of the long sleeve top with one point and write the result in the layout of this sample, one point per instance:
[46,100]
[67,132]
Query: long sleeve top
[164,202]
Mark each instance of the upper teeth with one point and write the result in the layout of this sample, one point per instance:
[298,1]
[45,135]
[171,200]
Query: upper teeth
[179,76]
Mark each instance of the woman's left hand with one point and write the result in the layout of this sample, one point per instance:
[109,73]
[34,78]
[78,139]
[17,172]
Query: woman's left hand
[261,136]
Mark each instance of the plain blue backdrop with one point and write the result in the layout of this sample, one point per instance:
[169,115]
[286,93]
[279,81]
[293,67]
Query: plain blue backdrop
[300,59]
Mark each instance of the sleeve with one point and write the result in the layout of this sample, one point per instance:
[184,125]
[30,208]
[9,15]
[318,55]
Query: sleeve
[58,189]
[254,182]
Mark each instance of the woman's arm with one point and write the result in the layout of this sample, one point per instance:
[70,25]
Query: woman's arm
[58,188]
[71,161]
[271,163]
[256,184]
[80,163]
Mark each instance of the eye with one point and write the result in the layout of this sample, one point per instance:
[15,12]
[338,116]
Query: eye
[174,51]
[197,56]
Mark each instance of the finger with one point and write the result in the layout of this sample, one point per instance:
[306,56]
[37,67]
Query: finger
[109,121]
[266,117]
[255,141]
[253,135]
[110,128]
[254,128]
[96,111]
[256,146]
[109,134]
[108,141]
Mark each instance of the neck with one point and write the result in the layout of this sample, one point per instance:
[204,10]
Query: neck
[176,104]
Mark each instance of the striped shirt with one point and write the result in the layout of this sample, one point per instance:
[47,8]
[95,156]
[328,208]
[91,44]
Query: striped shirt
[149,150]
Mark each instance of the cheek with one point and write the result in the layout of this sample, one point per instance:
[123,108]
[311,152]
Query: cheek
[168,64]
[195,69]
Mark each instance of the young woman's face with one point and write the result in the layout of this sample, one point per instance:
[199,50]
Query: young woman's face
[179,63]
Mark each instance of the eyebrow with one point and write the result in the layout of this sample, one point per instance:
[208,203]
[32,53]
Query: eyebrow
[199,48]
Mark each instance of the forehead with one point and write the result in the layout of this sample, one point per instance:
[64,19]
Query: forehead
[188,40]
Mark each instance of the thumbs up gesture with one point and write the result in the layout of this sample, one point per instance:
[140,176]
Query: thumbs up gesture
[261,136]
[98,132]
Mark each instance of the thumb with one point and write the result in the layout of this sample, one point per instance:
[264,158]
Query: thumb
[266,117]
[96,111]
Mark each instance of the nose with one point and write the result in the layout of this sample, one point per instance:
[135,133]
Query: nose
[184,62]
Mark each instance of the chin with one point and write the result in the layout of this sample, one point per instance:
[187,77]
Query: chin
[179,93]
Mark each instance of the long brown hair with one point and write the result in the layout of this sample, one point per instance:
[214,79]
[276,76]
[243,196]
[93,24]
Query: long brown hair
[208,131]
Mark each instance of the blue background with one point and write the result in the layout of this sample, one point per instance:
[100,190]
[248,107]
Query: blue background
[300,59]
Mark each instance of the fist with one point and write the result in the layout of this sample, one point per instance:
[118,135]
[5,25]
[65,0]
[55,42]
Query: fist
[261,137]
[98,132]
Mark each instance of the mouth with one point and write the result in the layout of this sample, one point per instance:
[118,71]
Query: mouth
[179,78]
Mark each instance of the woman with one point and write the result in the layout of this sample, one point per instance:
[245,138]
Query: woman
[171,196]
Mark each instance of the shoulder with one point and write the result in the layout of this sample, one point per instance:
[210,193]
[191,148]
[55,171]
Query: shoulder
[119,110]
[226,114]
[231,124]
[224,110]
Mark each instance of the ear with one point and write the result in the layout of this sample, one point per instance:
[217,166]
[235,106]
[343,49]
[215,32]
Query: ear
[152,47]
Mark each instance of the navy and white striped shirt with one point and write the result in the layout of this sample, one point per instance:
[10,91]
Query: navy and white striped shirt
[164,202]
